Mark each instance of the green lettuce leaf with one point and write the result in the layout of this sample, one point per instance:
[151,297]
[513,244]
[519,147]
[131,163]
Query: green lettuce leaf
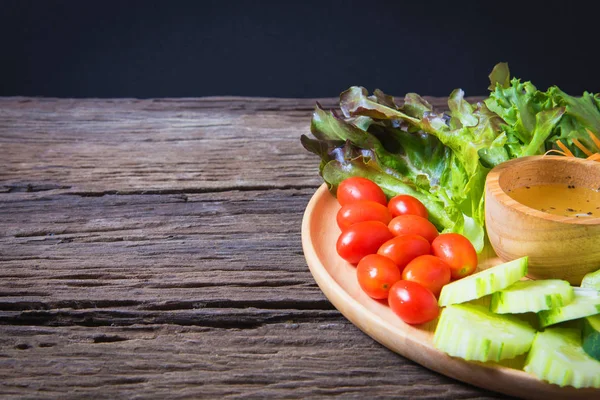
[500,75]
[581,113]
[534,120]
[418,150]
[545,121]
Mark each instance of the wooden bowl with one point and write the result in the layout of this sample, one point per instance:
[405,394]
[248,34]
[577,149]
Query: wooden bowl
[558,246]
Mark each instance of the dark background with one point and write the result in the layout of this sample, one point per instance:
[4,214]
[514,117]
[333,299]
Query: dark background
[177,48]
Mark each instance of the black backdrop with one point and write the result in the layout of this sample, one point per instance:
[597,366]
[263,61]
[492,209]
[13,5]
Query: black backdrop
[174,48]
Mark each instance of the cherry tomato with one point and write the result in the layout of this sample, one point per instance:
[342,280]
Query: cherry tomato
[403,249]
[376,274]
[362,239]
[405,224]
[362,210]
[357,188]
[457,251]
[429,271]
[403,204]
[412,302]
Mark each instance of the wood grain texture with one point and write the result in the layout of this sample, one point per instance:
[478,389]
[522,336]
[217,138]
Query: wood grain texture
[151,249]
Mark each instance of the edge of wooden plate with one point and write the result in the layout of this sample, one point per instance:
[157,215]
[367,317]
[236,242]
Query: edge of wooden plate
[336,279]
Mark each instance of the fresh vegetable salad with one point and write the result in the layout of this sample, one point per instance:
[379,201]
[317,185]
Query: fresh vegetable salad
[410,183]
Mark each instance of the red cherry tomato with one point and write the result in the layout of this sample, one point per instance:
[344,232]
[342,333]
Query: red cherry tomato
[403,204]
[403,249]
[362,210]
[376,274]
[457,251]
[413,303]
[429,271]
[405,224]
[362,239]
[357,188]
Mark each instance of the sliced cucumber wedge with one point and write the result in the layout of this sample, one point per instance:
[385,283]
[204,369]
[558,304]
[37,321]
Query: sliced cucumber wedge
[473,332]
[591,280]
[591,336]
[585,303]
[556,356]
[532,296]
[483,283]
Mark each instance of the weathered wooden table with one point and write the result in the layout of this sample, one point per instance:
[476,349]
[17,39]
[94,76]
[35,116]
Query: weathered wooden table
[151,249]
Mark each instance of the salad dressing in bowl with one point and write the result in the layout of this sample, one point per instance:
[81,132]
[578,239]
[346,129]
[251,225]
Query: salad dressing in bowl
[559,199]
[560,243]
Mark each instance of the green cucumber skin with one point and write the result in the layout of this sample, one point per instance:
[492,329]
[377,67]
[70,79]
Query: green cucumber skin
[556,356]
[481,286]
[551,317]
[532,296]
[591,336]
[581,306]
[483,283]
[464,331]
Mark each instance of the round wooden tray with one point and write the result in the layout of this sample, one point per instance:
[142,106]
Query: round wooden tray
[337,280]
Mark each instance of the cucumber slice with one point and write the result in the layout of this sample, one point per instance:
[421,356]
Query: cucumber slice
[483,283]
[585,303]
[591,336]
[556,356]
[532,296]
[591,280]
[473,332]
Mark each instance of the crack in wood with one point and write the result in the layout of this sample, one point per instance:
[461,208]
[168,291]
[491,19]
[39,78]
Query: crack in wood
[126,381]
[267,304]
[86,284]
[73,231]
[109,339]
[245,284]
[84,276]
[32,188]
[263,304]
[61,304]
[28,258]
[246,188]
[232,320]
[23,293]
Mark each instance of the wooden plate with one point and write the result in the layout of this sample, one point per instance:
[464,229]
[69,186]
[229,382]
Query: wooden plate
[337,280]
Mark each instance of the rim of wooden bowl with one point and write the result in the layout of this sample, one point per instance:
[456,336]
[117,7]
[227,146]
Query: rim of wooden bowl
[496,190]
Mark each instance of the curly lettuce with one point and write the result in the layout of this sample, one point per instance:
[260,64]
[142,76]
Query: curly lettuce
[442,158]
